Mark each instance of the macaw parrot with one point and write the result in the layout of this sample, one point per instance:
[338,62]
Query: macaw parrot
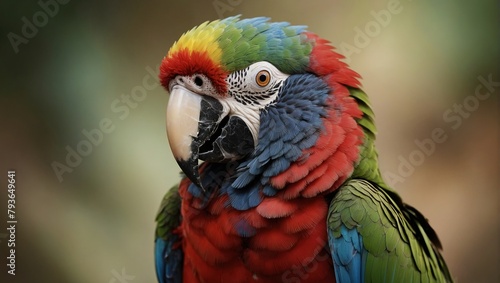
[288,189]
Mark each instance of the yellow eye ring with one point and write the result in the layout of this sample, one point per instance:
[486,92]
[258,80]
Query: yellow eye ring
[263,78]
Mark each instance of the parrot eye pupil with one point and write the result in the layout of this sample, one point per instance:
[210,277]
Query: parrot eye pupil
[263,78]
[198,81]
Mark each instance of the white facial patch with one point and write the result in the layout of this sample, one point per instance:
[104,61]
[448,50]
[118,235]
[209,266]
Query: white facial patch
[252,89]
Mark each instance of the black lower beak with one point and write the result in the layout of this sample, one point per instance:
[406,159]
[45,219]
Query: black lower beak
[199,127]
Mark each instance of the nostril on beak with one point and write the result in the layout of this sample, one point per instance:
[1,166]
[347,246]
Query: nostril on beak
[198,81]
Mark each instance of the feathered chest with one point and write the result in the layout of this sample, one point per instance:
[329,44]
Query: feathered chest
[264,219]
[277,241]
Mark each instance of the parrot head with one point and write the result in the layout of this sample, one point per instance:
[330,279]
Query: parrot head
[273,97]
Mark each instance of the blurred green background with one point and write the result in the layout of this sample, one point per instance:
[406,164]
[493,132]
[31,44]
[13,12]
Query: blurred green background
[97,224]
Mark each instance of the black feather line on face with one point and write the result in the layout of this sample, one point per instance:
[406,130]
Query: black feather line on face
[254,97]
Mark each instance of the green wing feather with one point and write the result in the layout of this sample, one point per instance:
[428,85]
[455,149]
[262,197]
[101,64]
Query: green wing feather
[367,167]
[169,214]
[398,243]
[168,253]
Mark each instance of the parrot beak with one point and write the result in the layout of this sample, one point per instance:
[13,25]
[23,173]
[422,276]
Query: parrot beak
[191,120]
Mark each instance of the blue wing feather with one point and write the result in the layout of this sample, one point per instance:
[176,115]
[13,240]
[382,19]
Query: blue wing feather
[160,248]
[347,252]
[168,251]
[168,261]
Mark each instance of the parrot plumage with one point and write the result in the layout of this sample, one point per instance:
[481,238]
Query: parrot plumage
[290,189]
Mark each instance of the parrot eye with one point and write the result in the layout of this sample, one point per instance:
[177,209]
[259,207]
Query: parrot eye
[263,78]
[257,85]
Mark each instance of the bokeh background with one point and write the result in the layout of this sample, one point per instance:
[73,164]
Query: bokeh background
[97,224]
